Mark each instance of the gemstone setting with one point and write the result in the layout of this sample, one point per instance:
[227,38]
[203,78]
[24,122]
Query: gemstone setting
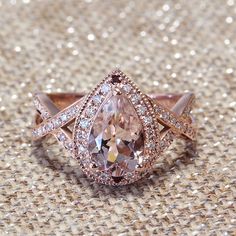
[118,135]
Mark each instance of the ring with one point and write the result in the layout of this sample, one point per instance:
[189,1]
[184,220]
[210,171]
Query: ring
[116,132]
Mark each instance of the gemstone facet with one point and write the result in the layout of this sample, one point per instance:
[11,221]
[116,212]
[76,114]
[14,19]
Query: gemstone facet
[116,140]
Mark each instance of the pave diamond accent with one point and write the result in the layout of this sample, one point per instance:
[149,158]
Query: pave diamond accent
[61,137]
[51,123]
[91,111]
[127,88]
[97,99]
[54,123]
[142,110]
[105,88]
[147,119]
[136,98]
[177,124]
[63,117]
[84,123]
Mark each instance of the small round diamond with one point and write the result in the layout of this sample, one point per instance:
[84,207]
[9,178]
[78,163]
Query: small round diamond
[141,109]
[97,99]
[158,109]
[74,110]
[57,122]
[105,88]
[63,117]
[135,98]
[61,137]
[84,123]
[127,88]
[81,135]
[165,116]
[151,145]
[91,111]
[49,127]
[147,119]
[40,131]
[116,137]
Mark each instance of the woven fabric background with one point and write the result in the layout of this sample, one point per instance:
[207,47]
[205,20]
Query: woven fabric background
[164,46]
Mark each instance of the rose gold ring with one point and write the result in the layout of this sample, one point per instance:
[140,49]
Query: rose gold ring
[117,132]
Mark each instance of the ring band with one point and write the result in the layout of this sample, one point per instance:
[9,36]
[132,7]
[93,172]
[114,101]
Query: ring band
[117,131]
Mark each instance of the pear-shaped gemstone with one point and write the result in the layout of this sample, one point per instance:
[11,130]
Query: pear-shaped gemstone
[116,140]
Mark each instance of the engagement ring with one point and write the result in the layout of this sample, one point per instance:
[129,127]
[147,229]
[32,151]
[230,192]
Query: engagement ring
[116,132]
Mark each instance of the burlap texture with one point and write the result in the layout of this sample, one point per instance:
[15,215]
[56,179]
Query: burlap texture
[165,46]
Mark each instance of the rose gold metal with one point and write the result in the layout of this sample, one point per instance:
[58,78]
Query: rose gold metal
[58,111]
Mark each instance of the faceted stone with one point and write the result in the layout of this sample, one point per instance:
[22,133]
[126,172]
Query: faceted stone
[105,88]
[91,111]
[61,137]
[63,117]
[81,135]
[97,99]
[136,98]
[116,140]
[127,88]
[57,122]
[147,119]
[49,127]
[142,109]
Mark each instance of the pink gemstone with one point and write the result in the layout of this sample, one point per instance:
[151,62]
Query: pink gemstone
[117,139]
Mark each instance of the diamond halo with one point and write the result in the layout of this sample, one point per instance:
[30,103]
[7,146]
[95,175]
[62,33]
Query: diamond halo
[119,84]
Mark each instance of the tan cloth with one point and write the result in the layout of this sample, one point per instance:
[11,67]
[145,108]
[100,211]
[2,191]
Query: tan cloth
[165,46]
